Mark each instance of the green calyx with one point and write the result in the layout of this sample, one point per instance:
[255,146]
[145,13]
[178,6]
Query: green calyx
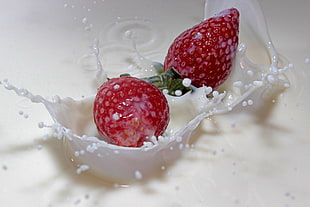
[171,81]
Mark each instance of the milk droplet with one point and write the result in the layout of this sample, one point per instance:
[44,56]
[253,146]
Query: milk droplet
[84,20]
[181,146]
[115,116]
[198,36]
[258,83]
[271,78]
[138,175]
[88,28]
[128,34]
[187,82]
[179,139]
[178,92]
[4,167]
[82,168]
[165,91]
[86,196]
[45,137]
[250,73]
[40,124]
[233,124]
[39,147]
[116,86]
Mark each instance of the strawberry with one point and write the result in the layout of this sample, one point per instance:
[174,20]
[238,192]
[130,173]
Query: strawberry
[127,110]
[205,52]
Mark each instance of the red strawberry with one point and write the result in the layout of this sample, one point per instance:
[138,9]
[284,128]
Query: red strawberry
[127,110]
[205,53]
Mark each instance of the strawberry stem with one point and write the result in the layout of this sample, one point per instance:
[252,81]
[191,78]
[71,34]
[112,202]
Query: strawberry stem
[171,81]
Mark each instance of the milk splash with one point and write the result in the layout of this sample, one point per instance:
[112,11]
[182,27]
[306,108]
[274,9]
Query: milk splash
[251,83]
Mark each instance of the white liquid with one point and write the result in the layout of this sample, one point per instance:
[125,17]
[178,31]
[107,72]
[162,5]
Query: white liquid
[223,159]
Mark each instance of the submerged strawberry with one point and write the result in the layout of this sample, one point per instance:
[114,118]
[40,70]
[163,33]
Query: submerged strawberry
[205,53]
[127,110]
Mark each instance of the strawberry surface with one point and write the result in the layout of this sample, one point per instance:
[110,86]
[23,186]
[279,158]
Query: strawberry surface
[205,52]
[127,110]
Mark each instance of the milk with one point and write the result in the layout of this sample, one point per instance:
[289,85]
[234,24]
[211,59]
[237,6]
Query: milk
[219,161]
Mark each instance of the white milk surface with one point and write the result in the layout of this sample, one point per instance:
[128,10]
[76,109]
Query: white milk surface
[248,157]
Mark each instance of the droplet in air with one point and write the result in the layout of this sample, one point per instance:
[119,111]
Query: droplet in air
[138,175]
[84,20]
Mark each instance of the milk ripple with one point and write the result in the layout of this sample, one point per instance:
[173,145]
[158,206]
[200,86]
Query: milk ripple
[129,44]
[145,34]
